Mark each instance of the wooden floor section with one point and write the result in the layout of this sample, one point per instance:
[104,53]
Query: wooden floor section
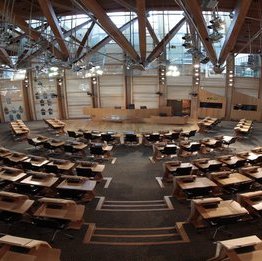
[135,236]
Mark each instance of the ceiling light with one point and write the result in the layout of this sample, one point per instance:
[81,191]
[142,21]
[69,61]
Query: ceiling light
[215,37]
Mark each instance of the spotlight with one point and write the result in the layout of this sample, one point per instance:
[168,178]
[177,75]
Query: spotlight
[215,37]
[187,45]
[187,37]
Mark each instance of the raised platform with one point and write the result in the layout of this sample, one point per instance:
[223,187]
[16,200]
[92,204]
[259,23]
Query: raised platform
[167,120]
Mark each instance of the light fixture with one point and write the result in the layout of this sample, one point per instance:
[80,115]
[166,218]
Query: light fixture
[215,36]
[172,71]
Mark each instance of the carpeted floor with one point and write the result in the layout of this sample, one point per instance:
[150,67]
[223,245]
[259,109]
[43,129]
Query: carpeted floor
[133,180]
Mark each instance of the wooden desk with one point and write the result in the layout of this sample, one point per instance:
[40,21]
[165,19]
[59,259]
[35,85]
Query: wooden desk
[181,184]
[226,178]
[40,179]
[37,250]
[11,174]
[225,248]
[16,157]
[96,168]
[62,165]
[55,144]
[4,152]
[39,140]
[257,150]
[77,183]
[204,163]
[250,156]
[230,160]
[254,172]
[55,124]
[36,161]
[60,209]
[170,168]
[13,202]
[210,208]
[251,201]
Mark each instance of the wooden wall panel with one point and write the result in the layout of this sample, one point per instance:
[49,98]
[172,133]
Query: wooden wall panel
[205,96]
[248,86]
[240,98]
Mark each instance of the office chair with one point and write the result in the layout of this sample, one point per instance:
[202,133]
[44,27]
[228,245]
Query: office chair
[26,165]
[189,134]
[170,149]
[229,141]
[198,192]
[131,139]
[191,150]
[221,224]
[48,146]
[74,134]
[97,151]
[214,167]
[107,137]
[51,169]
[68,148]
[182,171]
[58,225]
[85,172]
[88,136]
[31,142]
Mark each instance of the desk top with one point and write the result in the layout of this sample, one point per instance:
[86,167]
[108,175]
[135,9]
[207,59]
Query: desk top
[257,150]
[40,179]
[209,141]
[232,178]
[13,202]
[249,155]
[56,143]
[11,174]
[17,157]
[187,144]
[252,172]
[223,209]
[197,182]
[83,184]
[40,139]
[205,163]
[62,164]
[36,161]
[22,242]
[173,166]
[93,166]
[230,159]
[71,212]
[240,242]
[4,152]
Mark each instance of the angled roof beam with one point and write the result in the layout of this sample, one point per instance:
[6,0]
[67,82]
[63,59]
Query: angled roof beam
[240,12]
[105,41]
[71,36]
[106,23]
[50,15]
[33,34]
[21,36]
[193,12]
[84,40]
[161,46]
[76,28]
[21,57]
[148,25]
[141,10]
[5,58]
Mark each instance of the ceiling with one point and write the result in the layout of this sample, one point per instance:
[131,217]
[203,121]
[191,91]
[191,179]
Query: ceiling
[245,24]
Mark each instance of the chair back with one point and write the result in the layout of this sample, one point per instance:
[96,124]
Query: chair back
[85,172]
[51,169]
[183,171]
[96,150]
[129,137]
[170,149]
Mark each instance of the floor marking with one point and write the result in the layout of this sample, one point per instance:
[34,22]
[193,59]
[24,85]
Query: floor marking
[160,183]
[108,181]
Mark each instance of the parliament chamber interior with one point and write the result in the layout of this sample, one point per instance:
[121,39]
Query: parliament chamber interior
[130,130]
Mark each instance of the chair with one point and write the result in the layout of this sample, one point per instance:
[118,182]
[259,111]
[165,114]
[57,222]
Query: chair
[31,142]
[57,225]
[222,222]
[143,107]
[51,169]
[131,106]
[74,134]
[182,171]
[189,134]
[107,137]
[229,141]
[198,192]
[214,167]
[131,138]
[26,165]
[85,172]
[97,150]
[48,146]
[68,148]
[170,149]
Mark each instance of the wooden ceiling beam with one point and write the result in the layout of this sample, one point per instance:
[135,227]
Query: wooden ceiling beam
[148,25]
[141,13]
[194,14]
[50,15]
[84,40]
[162,44]
[32,33]
[105,41]
[240,13]
[106,23]
[5,58]
[21,36]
